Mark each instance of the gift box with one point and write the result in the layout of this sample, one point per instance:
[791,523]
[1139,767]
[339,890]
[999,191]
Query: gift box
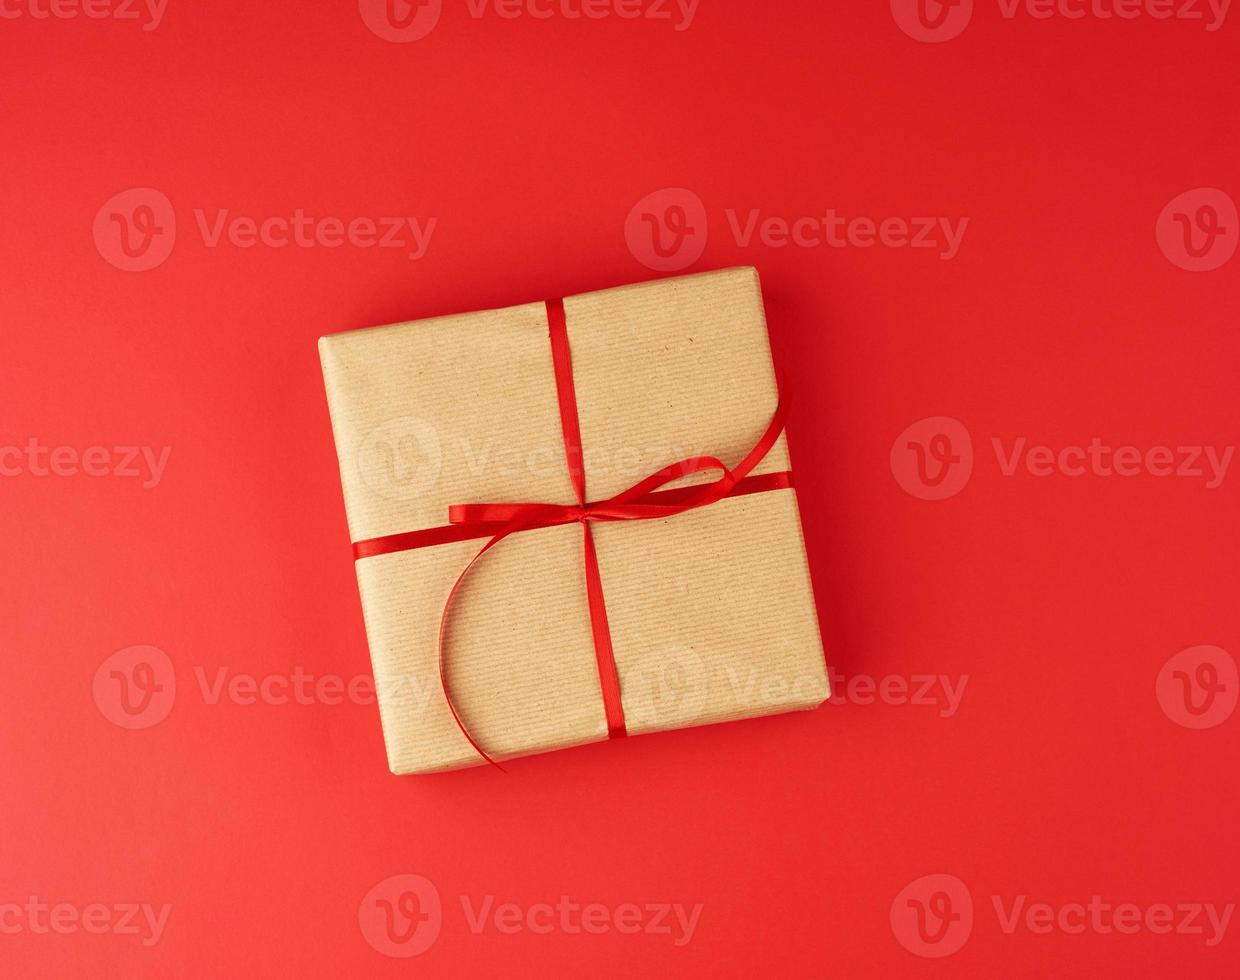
[617,458]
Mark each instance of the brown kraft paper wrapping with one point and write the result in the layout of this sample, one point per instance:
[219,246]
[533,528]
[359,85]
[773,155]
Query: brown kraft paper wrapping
[711,611]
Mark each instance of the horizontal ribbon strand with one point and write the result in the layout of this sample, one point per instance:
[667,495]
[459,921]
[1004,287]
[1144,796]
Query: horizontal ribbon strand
[474,529]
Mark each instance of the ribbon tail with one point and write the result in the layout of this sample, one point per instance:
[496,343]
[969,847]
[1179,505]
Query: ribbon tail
[443,624]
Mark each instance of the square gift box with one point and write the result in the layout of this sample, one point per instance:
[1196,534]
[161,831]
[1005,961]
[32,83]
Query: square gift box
[705,615]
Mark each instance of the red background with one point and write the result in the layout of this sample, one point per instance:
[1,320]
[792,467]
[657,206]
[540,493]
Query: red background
[530,140]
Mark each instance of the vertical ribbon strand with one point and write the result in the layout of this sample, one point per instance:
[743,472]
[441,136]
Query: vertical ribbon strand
[566,393]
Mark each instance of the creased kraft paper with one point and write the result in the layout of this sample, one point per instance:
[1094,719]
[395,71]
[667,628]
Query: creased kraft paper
[711,612]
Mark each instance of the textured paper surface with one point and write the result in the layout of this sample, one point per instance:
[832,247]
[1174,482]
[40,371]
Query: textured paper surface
[711,612]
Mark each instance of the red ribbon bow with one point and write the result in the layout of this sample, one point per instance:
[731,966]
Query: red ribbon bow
[646,500]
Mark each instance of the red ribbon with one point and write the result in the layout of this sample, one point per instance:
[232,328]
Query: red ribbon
[646,500]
